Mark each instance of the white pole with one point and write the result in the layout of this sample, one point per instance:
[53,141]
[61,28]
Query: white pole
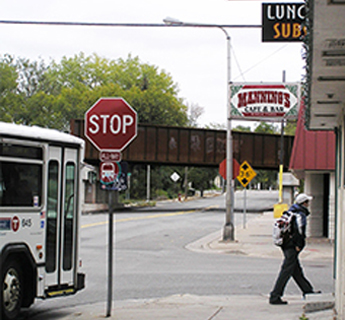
[229,228]
[148,179]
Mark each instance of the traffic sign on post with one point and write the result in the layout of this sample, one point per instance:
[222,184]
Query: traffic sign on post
[235,169]
[246,174]
[111,124]
[105,156]
[109,171]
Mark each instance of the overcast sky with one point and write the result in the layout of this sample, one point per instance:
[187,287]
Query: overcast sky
[196,58]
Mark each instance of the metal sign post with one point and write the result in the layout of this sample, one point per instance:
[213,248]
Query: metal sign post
[110,253]
[245,208]
[245,176]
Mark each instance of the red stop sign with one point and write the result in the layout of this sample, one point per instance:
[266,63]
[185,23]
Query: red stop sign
[235,168]
[111,124]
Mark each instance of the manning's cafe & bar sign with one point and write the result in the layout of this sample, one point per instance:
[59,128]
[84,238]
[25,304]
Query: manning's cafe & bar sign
[253,100]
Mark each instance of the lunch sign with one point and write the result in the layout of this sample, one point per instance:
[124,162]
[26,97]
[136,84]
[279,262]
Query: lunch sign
[256,100]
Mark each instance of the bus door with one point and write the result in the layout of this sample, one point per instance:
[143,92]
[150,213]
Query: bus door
[62,198]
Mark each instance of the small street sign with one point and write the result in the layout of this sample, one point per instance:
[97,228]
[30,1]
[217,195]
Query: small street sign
[111,156]
[109,171]
[120,183]
[246,174]
[175,176]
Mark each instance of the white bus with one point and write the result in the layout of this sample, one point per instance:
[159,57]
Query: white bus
[39,215]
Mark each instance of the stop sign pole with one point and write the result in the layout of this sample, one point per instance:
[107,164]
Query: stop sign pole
[110,125]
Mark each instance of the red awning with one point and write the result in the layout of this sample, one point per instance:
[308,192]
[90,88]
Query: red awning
[312,150]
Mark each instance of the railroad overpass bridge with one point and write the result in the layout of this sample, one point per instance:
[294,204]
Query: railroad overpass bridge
[165,145]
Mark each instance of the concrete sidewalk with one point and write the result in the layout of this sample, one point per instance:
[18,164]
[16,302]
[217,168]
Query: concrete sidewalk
[191,307]
[255,240]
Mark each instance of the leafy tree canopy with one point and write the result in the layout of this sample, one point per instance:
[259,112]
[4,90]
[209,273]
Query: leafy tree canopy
[216,126]
[50,95]
[264,127]
[242,128]
[290,128]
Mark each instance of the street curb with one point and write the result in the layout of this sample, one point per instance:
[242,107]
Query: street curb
[318,306]
[319,302]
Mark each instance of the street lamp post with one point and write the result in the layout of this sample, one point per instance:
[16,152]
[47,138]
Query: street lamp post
[229,228]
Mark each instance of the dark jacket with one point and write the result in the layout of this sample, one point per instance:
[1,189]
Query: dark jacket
[299,226]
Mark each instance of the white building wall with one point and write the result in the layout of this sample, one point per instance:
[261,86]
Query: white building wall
[314,187]
[331,208]
[340,259]
[340,232]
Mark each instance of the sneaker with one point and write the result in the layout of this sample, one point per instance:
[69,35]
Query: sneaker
[313,292]
[278,301]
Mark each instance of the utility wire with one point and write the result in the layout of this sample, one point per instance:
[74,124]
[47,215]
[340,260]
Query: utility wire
[110,24]
[238,65]
[261,61]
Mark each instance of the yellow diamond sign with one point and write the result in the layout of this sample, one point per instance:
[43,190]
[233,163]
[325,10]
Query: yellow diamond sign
[246,174]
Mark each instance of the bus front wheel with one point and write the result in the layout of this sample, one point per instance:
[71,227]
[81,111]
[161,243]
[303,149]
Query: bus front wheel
[12,290]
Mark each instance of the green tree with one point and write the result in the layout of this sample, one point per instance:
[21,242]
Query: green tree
[31,77]
[53,94]
[290,127]
[267,178]
[9,100]
[202,178]
[151,92]
[242,129]
[161,184]
[264,127]
[8,77]
[42,109]
[216,126]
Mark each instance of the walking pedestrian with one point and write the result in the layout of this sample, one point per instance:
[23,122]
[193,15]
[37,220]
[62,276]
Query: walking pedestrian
[291,266]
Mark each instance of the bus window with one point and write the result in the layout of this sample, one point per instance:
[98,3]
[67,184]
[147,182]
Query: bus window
[20,151]
[21,184]
[2,184]
[69,216]
[52,215]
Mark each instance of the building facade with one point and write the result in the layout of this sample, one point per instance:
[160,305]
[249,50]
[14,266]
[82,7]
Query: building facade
[325,93]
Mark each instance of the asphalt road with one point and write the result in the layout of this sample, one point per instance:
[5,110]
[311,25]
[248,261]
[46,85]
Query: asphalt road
[151,259]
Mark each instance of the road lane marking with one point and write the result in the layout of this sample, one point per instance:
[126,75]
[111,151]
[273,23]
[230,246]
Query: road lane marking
[94,224]
[100,223]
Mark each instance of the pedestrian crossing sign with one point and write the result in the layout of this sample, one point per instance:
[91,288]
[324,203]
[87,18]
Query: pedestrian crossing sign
[246,174]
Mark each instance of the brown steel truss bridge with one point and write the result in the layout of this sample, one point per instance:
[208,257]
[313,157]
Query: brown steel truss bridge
[166,145]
